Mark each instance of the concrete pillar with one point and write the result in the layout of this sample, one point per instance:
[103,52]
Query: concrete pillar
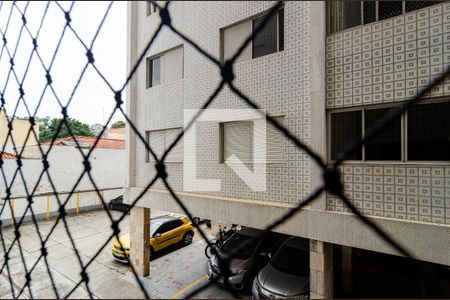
[131,138]
[318,95]
[347,279]
[140,240]
[321,273]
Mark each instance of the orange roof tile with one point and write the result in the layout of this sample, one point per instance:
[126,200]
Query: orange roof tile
[85,141]
[7,155]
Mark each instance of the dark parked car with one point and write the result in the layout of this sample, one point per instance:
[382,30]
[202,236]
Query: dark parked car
[245,265]
[287,274]
[117,204]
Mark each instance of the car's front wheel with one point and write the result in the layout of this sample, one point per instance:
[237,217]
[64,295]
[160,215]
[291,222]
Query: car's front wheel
[187,239]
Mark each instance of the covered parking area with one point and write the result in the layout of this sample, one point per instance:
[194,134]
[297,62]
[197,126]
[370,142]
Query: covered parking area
[361,273]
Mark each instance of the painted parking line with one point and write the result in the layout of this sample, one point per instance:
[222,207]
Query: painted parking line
[188,287]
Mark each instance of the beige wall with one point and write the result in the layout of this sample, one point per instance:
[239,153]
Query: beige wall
[116,135]
[19,132]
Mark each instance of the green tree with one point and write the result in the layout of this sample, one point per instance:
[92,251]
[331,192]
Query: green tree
[49,127]
[118,124]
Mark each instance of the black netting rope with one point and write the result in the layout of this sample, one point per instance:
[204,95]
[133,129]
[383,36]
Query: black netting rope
[331,175]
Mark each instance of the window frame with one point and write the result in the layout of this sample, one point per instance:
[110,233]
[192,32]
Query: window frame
[148,156]
[222,141]
[268,162]
[278,32]
[251,20]
[377,19]
[149,83]
[160,55]
[440,162]
[404,135]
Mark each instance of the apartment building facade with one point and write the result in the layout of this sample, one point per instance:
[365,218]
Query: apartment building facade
[327,72]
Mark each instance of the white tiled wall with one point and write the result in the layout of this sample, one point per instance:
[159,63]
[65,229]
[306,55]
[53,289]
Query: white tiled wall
[389,60]
[385,62]
[279,83]
[413,192]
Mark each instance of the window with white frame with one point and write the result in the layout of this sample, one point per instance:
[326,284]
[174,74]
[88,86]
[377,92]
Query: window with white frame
[160,141]
[165,67]
[422,133]
[237,138]
[346,14]
[269,39]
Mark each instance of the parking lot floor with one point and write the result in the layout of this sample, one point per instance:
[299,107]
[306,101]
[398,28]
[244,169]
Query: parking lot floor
[174,272]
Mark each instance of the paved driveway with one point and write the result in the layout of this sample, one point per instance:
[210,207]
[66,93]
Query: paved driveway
[177,273]
[173,273]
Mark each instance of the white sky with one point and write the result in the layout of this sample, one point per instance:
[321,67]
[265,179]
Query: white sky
[93,101]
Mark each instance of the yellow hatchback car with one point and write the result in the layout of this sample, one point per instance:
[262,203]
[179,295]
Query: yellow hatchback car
[165,231]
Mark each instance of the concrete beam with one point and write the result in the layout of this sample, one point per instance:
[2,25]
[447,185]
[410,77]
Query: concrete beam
[426,241]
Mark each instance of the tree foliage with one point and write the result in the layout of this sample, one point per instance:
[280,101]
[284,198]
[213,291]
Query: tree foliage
[118,124]
[49,127]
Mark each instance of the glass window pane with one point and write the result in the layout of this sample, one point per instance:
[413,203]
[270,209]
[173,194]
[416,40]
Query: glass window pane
[265,42]
[369,12]
[346,128]
[415,5]
[163,228]
[352,14]
[429,132]
[389,9]
[177,223]
[156,71]
[386,145]
[171,225]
